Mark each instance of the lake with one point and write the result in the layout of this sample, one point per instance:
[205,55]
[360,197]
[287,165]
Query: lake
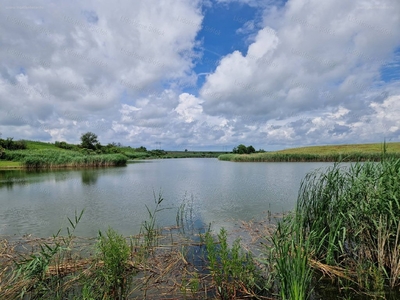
[216,192]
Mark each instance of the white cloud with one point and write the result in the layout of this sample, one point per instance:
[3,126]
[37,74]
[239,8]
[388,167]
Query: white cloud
[316,48]
[189,108]
[311,74]
[76,60]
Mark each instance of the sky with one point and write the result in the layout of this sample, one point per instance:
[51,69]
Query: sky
[201,74]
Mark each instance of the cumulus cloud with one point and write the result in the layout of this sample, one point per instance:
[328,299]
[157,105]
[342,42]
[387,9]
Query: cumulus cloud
[313,73]
[62,64]
[306,60]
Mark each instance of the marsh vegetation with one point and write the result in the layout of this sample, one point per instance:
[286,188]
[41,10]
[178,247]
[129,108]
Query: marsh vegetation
[331,153]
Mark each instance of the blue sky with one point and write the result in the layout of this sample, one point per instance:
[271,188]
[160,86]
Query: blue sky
[201,75]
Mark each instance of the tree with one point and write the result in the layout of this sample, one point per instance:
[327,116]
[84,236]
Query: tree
[241,149]
[141,149]
[89,141]
[250,149]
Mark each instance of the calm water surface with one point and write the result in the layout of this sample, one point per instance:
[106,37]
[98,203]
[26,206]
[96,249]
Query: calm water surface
[218,192]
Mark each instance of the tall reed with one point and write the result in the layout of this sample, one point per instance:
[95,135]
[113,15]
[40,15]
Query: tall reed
[355,212]
[289,255]
[306,157]
[55,159]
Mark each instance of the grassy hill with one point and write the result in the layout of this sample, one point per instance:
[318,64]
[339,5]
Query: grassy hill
[35,145]
[351,148]
[352,152]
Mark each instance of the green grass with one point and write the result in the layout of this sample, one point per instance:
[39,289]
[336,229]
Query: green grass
[356,152]
[36,145]
[351,148]
[4,164]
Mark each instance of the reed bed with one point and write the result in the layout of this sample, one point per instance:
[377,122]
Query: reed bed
[346,226]
[304,157]
[57,159]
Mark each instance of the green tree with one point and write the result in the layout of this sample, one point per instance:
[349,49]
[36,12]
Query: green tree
[250,149]
[241,149]
[141,149]
[89,141]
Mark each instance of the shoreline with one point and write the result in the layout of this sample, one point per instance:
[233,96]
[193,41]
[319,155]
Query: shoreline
[305,157]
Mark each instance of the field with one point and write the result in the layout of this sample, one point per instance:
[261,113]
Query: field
[351,148]
[330,153]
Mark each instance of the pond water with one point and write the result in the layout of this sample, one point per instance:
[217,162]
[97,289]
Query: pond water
[216,192]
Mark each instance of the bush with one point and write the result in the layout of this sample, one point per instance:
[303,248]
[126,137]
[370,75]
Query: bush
[64,145]
[9,144]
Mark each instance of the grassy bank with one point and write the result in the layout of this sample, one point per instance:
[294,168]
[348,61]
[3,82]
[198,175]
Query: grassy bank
[333,153]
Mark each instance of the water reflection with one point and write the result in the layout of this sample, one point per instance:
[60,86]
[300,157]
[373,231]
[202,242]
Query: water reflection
[90,177]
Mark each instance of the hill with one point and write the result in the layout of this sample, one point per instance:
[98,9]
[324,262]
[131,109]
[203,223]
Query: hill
[327,153]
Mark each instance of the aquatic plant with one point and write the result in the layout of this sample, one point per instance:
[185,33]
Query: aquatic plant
[233,270]
[112,275]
